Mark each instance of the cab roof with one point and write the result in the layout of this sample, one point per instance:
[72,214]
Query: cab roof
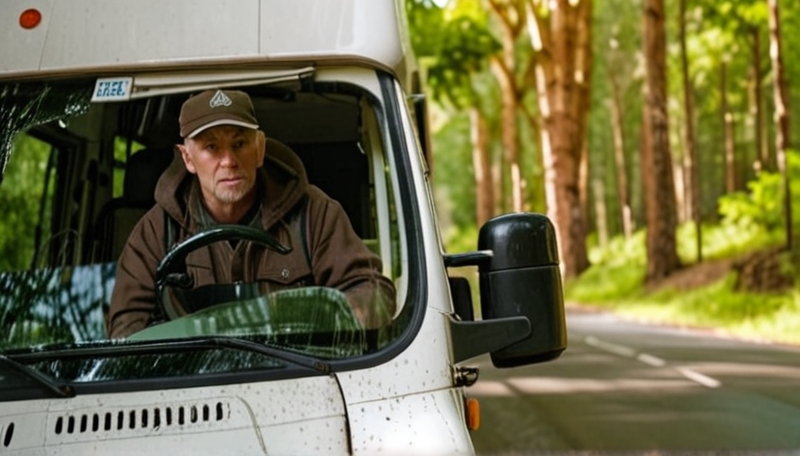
[100,36]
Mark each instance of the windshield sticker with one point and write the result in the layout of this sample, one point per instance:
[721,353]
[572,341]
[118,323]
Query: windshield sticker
[112,89]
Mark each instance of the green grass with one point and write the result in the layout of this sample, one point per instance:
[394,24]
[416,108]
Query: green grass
[615,282]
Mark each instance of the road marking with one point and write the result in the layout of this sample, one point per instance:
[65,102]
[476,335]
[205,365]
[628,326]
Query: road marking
[651,360]
[611,348]
[704,380]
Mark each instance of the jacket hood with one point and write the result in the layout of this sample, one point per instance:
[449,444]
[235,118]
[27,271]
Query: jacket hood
[283,178]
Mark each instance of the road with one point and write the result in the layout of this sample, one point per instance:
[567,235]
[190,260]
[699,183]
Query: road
[622,386]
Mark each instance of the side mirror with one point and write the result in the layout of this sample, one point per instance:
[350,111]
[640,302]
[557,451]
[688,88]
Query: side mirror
[522,278]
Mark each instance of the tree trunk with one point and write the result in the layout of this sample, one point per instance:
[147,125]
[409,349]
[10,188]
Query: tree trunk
[690,153]
[481,161]
[561,71]
[534,190]
[582,98]
[727,130]
[662,254]
[503,68]
[781,112]
[600,211]
[763,160]
[678,175]
[620,167]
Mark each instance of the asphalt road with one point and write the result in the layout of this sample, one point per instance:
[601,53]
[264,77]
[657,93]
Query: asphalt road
[626,387]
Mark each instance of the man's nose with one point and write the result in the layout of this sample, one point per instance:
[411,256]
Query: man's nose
[228,157]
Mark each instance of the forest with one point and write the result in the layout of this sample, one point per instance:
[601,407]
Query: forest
[655,134]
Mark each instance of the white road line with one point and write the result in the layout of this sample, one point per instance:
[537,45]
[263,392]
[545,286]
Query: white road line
[651,360]
[620,350]
[704,380]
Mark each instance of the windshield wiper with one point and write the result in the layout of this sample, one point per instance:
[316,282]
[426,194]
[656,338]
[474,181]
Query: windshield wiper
[50,383]
[171,346]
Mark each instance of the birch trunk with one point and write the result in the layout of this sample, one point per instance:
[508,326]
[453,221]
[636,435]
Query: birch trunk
[662,254]
[781,112]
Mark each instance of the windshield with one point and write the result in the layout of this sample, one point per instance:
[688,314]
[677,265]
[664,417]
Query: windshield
[114,266]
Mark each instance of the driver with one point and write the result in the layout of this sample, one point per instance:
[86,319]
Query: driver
[228,175]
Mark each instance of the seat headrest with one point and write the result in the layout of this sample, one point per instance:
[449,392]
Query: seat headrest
[278,148]
[282,153]
[142,172]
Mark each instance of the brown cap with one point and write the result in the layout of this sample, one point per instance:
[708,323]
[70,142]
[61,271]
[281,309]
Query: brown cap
[216,107]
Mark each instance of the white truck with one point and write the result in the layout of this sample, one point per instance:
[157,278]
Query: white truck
[89,97]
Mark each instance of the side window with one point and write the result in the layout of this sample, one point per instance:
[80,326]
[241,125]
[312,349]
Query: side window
[136,170]
[123,149]
[26,198]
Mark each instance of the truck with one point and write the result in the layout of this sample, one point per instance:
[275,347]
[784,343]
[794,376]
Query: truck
[90,93]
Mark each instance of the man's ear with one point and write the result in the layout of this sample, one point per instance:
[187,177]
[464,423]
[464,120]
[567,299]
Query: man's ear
[187,159]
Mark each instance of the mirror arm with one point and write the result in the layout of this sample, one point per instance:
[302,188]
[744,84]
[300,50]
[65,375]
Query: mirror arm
[474,338]
[477,258]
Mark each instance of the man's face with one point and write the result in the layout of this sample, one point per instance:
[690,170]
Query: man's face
[225,160]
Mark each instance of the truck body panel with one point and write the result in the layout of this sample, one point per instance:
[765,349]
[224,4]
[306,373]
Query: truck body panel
[87,35]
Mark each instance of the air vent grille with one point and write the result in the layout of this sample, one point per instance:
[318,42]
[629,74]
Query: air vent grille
[6,434]
[145,418]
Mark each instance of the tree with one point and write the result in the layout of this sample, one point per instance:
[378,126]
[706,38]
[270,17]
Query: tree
[659,186]
[511,19]
[727,122]
[482,165]
[756,100]
[560,35]
[782,125]
[617,119]
[690,153]
[457,45]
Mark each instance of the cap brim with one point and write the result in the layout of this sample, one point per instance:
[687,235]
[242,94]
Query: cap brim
[218,122]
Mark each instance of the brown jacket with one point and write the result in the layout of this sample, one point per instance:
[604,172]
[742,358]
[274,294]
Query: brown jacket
[337,257]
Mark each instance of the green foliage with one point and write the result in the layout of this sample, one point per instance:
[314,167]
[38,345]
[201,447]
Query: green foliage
[452,176]
[716,305]
[758,214]
[606,284]
[750,221]
[722,241]
[617,270]
[790,22]
[20,198]
[618,284]
[425,21]
[621,251]
[456,43]
[460,240]
[762,316]
[760,208]
[719,32]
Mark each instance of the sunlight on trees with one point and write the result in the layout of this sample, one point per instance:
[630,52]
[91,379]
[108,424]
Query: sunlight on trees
[502,80]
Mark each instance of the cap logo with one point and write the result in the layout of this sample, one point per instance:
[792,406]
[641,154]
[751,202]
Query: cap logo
[220,99]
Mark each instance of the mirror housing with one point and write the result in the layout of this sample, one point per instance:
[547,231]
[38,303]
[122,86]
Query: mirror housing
[522,278]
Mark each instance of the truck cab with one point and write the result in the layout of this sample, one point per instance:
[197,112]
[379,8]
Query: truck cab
[90,94]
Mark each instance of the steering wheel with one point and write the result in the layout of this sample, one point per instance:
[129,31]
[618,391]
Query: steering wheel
[171,270]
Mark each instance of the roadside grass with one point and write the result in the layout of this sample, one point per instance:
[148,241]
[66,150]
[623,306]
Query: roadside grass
[615,282]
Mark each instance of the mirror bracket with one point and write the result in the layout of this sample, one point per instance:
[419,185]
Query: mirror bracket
[474,338]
